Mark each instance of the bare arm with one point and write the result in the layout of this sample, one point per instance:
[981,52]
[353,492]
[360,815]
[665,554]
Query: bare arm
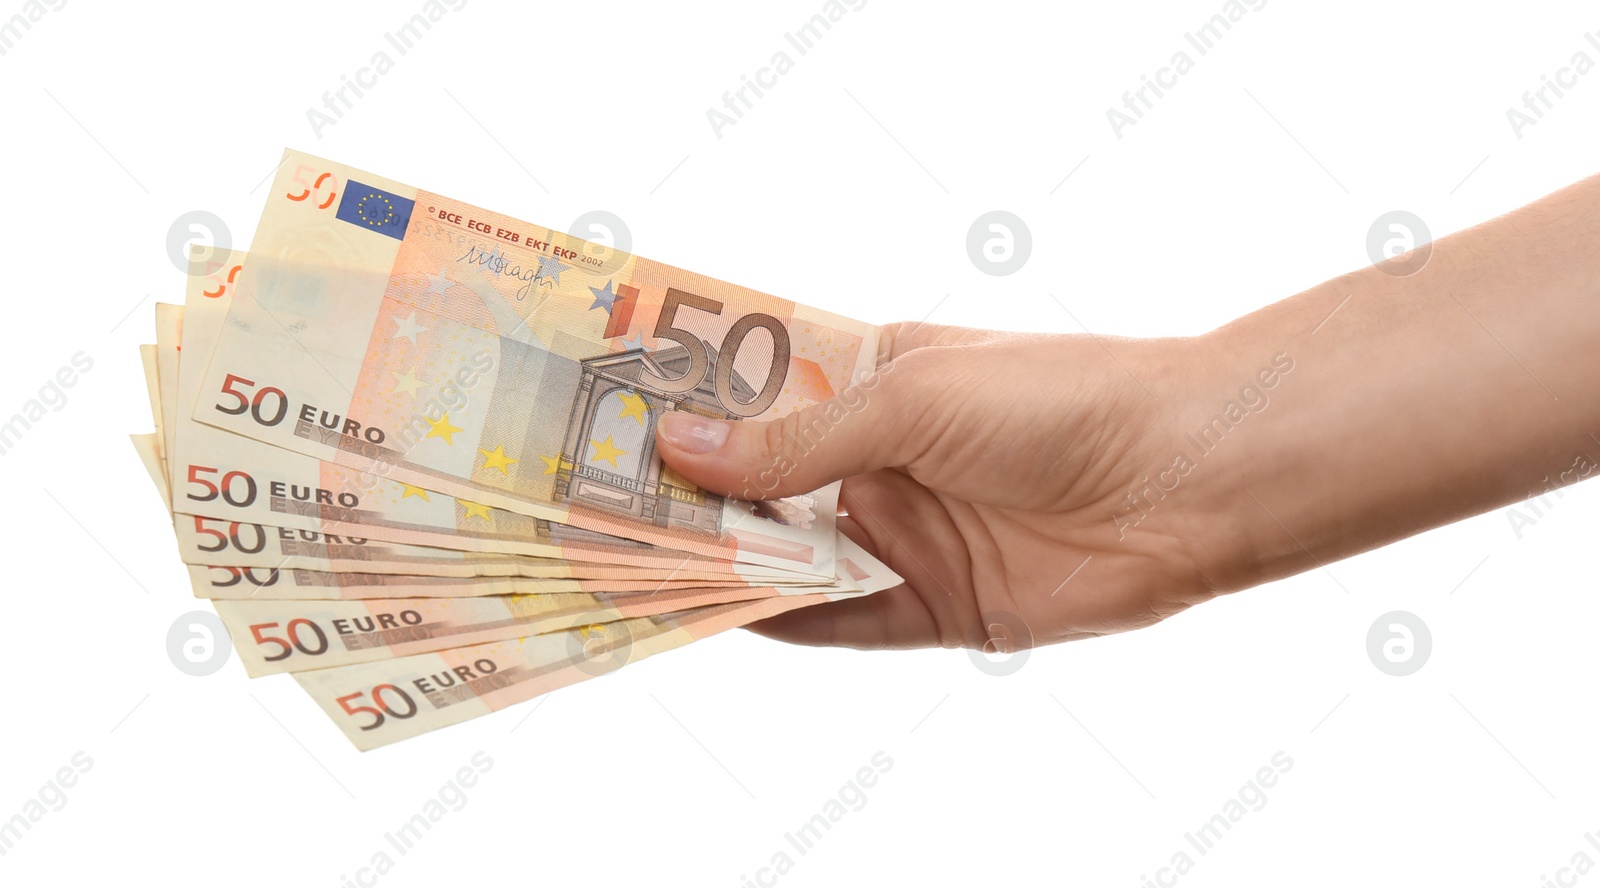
[1419,400]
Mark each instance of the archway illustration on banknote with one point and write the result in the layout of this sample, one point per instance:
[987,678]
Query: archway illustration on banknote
[608,458]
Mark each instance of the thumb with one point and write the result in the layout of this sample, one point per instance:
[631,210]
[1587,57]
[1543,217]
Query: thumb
[864,428]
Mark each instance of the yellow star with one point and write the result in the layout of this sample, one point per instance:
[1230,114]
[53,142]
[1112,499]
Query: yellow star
[551,463]
[606,450]
[441,428]
[407,382]
[496,459]
[408,490]
[634,406]
[479,509]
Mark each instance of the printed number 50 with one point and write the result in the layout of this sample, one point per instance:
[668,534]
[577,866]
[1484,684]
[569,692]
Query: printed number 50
[312,186]
[384,710]
[700,359]
[230,386]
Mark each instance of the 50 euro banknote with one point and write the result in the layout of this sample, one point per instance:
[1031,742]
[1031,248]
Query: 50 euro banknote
[222,477]
[294,564]
[231,560]
[375,704]
[295,636]
[548,362]
[240,583]
[273,635]
[232,552]
[224,532]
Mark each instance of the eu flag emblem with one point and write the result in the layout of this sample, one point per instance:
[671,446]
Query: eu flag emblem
[375,209]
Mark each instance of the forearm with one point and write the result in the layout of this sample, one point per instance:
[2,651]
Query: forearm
[1413,401]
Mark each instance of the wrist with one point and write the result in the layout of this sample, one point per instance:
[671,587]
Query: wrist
[1218,436]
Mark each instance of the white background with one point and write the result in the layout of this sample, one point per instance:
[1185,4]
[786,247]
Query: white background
[850,186]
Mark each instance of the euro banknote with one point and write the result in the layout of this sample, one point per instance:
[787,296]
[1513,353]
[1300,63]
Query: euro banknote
[218,534]
[272,562]
[169,333]
[227,477]
[212,541]
[294,636]
[232,552]
[147,358]
[503,363]
[145,446]
[375,704]
[858,571]
[235,583]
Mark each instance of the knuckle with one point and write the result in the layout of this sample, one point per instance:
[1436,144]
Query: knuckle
[778,440]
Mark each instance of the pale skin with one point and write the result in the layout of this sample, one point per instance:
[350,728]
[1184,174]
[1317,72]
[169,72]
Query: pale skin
[1411,402]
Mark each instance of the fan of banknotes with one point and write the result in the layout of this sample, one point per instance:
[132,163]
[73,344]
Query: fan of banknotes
[408,448]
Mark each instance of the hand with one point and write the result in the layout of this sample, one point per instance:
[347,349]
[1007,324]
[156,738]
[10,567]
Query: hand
[988,469]
[1034,489]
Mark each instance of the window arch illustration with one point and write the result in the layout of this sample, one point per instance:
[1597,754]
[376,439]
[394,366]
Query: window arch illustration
[620,434]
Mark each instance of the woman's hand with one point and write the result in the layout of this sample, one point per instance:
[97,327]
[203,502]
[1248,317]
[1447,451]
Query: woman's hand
[993,471]
[1034,489]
